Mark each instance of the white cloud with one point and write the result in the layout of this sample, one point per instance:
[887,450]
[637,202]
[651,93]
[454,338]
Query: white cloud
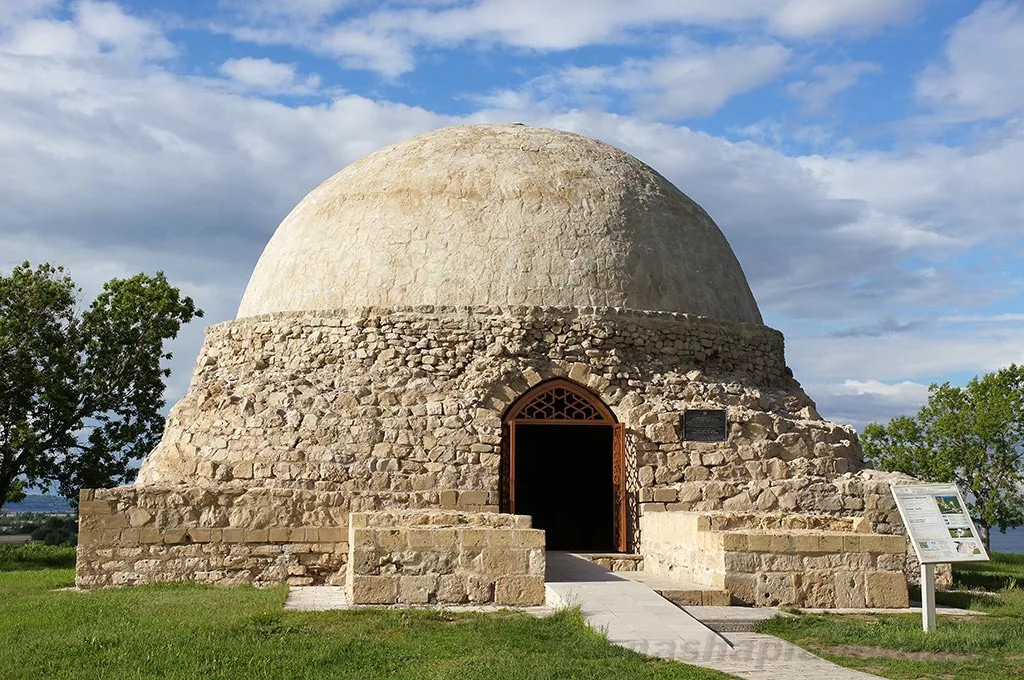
[936,189]
[264,74]
[16,11]
[980,75]
[541,24]
[829,80]
[701,83]
[361,49]
[902,391]
[807,18]
[97,30]
[903,356]
[386,37]
[691,80]
[859,402]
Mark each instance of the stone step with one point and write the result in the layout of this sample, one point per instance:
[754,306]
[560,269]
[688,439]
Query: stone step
[682,593]
[615,561]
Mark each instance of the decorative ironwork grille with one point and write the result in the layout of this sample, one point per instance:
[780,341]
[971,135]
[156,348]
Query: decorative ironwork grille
[559,403]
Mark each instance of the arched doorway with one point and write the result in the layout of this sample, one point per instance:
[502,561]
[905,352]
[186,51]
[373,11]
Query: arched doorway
[563,463]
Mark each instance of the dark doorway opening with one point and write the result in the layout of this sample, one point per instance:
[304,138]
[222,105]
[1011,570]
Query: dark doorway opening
[563,479]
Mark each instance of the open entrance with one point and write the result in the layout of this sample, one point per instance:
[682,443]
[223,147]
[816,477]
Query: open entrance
[562,463]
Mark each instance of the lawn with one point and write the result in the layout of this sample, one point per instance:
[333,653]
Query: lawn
[894,646]
[189,631]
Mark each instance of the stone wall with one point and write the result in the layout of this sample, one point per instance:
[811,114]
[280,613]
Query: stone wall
[424,557]
[771,560]
[132,535]
[402,407]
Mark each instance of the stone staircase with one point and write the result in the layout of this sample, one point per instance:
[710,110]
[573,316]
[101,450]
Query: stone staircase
[678,592]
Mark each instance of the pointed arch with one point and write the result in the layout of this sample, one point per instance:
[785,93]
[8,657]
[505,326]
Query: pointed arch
[560,399]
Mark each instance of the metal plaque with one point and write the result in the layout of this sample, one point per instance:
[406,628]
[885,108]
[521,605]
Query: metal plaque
[705,425]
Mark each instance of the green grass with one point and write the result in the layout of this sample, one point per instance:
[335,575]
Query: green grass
[894,646]
[36,556]
[190,631]
[1006,570]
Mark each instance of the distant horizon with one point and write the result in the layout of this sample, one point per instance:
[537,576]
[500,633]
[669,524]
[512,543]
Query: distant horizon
[38,502]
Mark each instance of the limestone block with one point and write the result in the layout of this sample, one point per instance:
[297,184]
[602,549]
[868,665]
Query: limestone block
[774,589]
[138,517]
[417,589]
[233,535]
[734,540]
[519,590]
[359,539]
[665,495]
[504,561]
[420,539]
[150,535]
[807,543]
[173,536]
[333,534]
[742,587]
[830,543]
[849,589]
[500,538]
[199,535]
[479,589]
[451,589]
[528,538]
[472,538]
[743,562]
[819,589]
[472,498]
[886,589]
[374,589]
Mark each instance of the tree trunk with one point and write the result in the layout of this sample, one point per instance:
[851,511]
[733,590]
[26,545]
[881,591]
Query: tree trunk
[986,533]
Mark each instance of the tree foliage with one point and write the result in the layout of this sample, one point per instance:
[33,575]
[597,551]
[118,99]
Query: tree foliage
[81,390]
[972,436]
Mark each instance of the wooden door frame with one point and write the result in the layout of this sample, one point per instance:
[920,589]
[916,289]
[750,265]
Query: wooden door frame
[600,415]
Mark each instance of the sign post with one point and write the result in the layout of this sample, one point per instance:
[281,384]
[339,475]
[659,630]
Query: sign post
[941,531]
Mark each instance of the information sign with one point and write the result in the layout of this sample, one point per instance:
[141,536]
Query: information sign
[705,425]
[937,523]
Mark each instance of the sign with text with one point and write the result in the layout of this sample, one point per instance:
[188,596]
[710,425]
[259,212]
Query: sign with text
[705,425]
[937,523]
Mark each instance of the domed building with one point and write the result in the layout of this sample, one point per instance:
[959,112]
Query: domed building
[483,343]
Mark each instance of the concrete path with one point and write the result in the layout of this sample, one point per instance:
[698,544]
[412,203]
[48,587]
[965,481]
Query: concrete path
[634,616]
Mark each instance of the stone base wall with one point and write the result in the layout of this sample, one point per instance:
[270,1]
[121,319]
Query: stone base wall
[435,557]
[771,560]
[132,535]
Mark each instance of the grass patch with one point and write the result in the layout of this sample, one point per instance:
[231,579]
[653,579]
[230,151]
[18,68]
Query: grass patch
[894,646]
[36,556]
[1005,571]
[188,631]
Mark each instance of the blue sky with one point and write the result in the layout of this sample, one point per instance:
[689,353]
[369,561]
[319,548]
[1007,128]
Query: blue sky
[864,157]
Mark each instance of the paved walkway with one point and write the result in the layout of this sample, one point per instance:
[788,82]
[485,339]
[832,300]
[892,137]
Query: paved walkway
[634,616]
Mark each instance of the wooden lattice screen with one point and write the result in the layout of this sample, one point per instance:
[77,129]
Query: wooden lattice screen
[560,402]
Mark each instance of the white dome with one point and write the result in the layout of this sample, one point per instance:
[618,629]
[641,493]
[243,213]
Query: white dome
[499,215]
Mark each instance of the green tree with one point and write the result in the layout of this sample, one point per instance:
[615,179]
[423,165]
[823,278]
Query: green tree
[972,436]
[81,390]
